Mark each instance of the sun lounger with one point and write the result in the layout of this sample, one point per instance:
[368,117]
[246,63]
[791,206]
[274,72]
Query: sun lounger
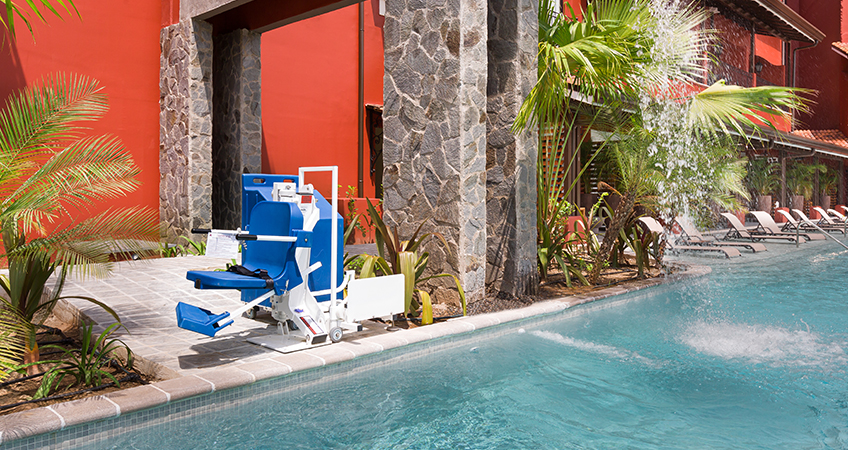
[655,227]
[838,215]
[691,236]
[822,223]
[791,223]
[738,231]
[769,227]
[831,220]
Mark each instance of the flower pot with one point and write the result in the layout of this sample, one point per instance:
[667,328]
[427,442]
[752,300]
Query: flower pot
[797,202]
[574,225]
[764,203]
[780,218]
[825,202]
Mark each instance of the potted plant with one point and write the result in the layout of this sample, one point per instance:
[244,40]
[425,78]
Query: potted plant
[762,180]
[799,181]
[827,182]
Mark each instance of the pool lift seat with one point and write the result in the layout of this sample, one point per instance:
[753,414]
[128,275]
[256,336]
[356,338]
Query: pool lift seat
[281,243]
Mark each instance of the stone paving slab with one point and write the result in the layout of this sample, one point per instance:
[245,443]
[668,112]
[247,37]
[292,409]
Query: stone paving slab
[145,296]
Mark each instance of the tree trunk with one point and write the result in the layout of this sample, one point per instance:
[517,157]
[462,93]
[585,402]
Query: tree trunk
[619,219]
[31,355]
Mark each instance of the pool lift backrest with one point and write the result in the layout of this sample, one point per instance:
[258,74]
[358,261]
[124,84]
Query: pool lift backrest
[285,227]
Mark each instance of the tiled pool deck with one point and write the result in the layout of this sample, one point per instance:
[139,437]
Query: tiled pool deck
[145,295]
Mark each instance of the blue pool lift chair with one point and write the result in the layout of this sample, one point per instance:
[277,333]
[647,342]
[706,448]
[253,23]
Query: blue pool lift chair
[276,257]
[292,264]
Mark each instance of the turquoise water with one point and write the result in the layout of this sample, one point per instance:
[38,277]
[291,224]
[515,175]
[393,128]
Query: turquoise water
[752,356]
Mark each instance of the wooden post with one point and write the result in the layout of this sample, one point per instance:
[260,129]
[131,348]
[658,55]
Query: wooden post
[816,191]
[840,188]
[782,157]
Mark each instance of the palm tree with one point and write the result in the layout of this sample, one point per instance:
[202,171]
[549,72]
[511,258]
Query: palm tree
[610,60]
[11,8]
[49,171]
[597,58]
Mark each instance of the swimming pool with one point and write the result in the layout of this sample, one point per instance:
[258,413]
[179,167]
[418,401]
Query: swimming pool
[752,356]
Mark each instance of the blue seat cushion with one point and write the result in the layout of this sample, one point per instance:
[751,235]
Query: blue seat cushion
[227,280]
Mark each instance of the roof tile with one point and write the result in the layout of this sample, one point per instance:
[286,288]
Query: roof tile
[834,137]
[842,46]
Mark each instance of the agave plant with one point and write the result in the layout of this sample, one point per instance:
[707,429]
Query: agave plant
[49,172]
[402,257]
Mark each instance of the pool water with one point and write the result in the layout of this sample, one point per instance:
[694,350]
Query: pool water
[752,356]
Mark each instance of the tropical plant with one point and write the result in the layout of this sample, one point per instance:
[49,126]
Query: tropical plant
[645,244]
[401,257]
[610,58]
[828,181]
[191,247]
[799,178]
[12,327]
[86,364]
[575,53]
[763,178]
[12,8]
[49,172]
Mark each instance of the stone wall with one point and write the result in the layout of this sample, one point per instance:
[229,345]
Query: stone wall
[185,128]
[237,122]
[434,122]
[511,160]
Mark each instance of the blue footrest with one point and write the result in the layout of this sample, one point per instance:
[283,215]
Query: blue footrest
[200,320]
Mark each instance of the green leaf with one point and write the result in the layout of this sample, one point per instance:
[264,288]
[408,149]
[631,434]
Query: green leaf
[427,307]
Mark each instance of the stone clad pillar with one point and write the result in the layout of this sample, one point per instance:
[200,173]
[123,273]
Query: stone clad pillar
[510,159]
[434,121]
[185,127]
[237,122]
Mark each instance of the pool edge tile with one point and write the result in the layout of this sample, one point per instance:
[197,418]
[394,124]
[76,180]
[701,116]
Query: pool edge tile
[28,423]
[137,398]
[188,386]
[86,410]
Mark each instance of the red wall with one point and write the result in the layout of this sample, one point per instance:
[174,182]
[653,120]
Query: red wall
[309,93]
[736,42]
[820,67]
[116,42]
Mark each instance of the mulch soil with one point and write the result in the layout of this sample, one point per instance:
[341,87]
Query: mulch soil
[23,391]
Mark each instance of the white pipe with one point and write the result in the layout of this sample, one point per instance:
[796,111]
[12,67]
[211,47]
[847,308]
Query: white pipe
[238,311]
[334,230]
[262,237]
[825,232]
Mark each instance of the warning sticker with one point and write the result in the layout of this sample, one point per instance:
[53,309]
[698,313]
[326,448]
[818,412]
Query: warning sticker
[222,245]
[312,325]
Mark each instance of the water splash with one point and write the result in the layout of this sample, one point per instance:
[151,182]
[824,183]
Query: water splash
[757,344]
[591,347]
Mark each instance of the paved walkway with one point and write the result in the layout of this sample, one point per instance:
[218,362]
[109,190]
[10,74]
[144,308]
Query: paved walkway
[145,295]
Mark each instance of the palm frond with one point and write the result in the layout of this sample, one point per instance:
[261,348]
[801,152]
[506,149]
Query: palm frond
[85,248]
[9,9]
[722,107]
[12,332]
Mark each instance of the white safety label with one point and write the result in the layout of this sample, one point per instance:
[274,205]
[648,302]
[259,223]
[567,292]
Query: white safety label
[222,245]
